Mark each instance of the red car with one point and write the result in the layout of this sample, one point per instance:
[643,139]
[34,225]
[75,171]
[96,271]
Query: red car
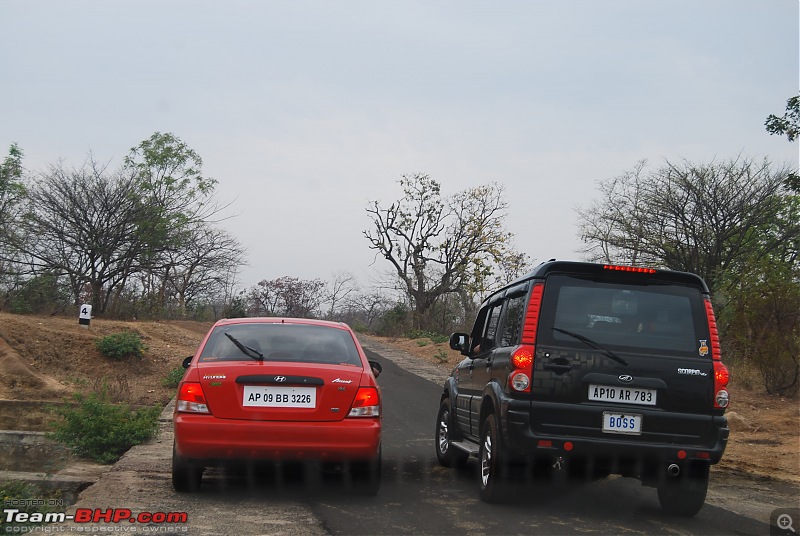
[280,389]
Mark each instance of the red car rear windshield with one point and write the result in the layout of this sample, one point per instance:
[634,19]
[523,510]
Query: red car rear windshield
[281,342]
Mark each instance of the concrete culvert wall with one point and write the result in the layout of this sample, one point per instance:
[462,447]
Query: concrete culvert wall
[31,451]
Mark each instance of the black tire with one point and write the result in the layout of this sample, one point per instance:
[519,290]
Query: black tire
[186,476]
[684,495]
[447,455]
[492,477]
[366,476]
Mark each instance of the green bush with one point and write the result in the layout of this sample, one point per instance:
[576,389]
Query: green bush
[121,345]
[173,377]
[436,338]
[441,356]
[98,429]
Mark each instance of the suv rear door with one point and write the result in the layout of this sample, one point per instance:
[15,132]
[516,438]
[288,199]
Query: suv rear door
[630,344]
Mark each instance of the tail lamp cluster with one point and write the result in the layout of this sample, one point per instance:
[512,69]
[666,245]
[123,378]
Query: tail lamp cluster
[366,404]
[522,358]
[191,399]
[721,374]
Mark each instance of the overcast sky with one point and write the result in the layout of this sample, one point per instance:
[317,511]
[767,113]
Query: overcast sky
[305,111]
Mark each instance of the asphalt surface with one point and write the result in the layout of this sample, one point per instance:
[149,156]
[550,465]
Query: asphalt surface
[417,496]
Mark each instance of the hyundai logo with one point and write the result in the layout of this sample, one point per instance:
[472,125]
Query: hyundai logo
[280,379]
[626,378]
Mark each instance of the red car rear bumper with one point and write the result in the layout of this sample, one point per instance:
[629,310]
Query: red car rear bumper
[204,437]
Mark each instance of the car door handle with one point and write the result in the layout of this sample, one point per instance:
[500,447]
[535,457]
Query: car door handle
[558,369]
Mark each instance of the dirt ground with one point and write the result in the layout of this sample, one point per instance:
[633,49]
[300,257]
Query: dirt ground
[49,358]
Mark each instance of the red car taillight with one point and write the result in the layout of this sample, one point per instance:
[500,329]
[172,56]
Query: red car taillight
[191,399]
[366,404]
[522,359]
[721,374]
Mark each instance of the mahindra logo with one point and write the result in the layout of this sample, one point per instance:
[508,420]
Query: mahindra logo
[280,379]
[626,378]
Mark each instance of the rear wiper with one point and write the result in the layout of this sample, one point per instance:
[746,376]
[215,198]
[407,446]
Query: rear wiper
[591,343]
[246,350]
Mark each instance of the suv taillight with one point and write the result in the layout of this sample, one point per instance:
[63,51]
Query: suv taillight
[721,374]
[191,399]
[520,377]
[522,358]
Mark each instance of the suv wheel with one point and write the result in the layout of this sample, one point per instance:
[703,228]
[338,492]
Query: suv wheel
[447,455]
[493,485]
[684,496]
[186,477]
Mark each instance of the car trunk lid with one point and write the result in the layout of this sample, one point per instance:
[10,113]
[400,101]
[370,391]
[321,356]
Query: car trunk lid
[279,391]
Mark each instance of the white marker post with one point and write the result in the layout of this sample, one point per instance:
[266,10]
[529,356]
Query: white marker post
[85,315]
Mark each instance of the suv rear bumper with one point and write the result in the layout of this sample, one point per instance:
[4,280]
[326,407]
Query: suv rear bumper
[588,441]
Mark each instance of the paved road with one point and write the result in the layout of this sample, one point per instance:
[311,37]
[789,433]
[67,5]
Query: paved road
[417,496]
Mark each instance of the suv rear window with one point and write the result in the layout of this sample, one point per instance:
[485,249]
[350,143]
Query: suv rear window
[645,318]
[282,342]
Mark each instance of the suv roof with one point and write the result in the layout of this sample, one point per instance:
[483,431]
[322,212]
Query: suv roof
[555,266]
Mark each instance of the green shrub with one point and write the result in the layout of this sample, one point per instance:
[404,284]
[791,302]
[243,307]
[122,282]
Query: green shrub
[441,356]
[98,429]
[121,345]
[436,338]
[173,377]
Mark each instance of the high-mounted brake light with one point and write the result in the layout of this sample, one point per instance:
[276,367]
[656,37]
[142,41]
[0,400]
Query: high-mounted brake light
[366,404]
[721,374]
[522,358]
[191,399]
[636,269]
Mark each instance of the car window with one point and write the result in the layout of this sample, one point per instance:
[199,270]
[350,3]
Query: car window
[489,338]
[649,318]
[282,342]
[512,321]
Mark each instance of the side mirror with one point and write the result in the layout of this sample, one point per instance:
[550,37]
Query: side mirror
[376,368]
[460,342]
[187,361]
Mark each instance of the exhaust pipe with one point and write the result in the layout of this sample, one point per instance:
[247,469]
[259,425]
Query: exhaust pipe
[673,470]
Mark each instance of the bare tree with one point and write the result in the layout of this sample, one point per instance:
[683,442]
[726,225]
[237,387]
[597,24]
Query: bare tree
[203,265]
[287,296]
[343,285]
[84,224]
[697,218]
[437,245]
[366,307]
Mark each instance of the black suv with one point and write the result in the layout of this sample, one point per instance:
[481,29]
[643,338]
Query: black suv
[590,370]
